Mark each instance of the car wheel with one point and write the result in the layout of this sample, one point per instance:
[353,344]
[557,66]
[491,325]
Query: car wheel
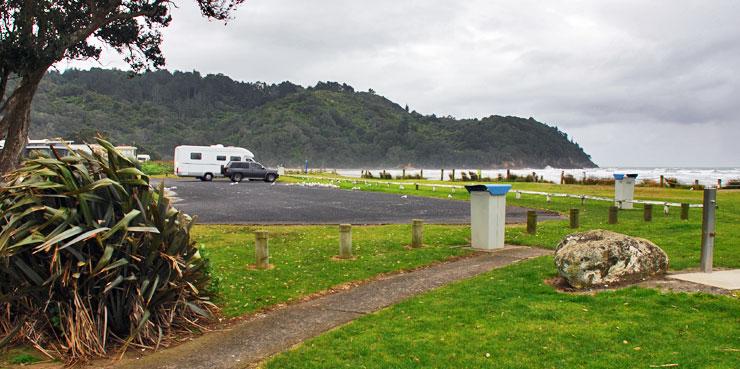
[270,178]
[236,178]
[208,177]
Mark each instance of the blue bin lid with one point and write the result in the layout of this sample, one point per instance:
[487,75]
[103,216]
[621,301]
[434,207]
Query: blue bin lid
[493,189]
[619,176]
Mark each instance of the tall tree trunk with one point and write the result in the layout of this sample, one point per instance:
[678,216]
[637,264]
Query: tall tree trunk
[4,75]
[16,119]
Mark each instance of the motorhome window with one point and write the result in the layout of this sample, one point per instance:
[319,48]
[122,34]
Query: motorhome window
[221,158]
[236,158]
[196,156]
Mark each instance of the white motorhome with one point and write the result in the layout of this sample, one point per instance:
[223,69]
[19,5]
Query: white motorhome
[206,162]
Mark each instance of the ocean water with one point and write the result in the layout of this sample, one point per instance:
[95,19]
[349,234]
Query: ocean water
[705,176]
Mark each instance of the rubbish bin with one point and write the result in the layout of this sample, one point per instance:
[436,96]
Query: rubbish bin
[487,215]
[624,190]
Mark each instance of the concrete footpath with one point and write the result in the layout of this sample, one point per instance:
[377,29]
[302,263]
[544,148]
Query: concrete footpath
[249,342]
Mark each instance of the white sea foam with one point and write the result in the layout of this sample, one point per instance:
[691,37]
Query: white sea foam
[705,176]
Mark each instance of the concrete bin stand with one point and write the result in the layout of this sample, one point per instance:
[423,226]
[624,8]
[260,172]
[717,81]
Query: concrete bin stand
[487,215]
[624,190]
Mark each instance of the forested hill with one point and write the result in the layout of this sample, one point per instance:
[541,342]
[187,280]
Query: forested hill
[329,124]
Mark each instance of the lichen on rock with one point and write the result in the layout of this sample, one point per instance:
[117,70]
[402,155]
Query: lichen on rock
[601,258]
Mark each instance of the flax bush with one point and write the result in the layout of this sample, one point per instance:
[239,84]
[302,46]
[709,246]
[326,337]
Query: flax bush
[93,259]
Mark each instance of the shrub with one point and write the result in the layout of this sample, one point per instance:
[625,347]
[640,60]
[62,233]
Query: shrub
[410,176]
[649,183]
[569,179]
[156,168]
[92,257]
[673,182]
[598,181]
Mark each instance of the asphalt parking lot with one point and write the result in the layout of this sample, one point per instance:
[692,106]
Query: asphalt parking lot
[221,202]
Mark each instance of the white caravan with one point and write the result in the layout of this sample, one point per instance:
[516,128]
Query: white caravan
[206,162]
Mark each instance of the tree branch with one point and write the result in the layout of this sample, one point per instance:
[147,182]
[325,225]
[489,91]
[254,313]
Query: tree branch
[100,19]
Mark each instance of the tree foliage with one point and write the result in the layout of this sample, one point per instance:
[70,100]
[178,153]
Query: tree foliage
[329,124]
[36,34]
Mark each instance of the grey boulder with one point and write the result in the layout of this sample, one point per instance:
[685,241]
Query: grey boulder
[602,258]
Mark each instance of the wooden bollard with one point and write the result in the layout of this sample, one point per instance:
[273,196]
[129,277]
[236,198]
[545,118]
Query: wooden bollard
[562,177]
[442,175]
[575,222]
[531,222]
[453,175]
[508,174]
[261,252]
[613,214]
[417,233]
[647,213]
[417,186]
[421,174]
[684,211]
[662,181]
[345,241]
[719,183]
[403,173]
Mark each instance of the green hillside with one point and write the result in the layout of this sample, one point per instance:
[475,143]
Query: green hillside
[329,124]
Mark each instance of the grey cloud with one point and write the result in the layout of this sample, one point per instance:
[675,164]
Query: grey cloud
[601,70]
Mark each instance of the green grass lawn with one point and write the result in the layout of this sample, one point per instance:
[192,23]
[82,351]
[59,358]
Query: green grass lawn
[158,169]
[509,314]
[18,356]
[302,256]
[509,318]
[680,239]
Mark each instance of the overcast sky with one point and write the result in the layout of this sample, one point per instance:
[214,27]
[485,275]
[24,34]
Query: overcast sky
[636,83]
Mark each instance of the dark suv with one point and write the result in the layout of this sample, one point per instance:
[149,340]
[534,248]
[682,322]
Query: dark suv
[238,170]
